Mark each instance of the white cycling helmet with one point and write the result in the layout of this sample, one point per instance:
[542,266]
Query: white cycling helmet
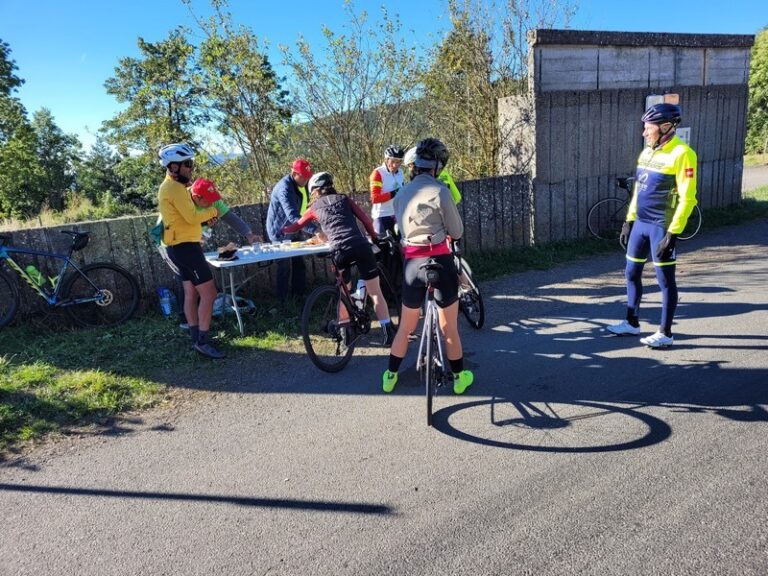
[410,156]
[175,153]
[320,180]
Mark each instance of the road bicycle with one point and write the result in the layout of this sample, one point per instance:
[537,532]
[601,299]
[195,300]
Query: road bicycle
[99,294]
[431,363]
[470,298]
[606,217]
[329,338]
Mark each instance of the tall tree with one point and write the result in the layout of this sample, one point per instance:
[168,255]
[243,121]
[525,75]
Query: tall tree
[96,175]
[8,80]
[163,100]
[20,171]
[757,118]
[163,105]
[357,98]
[242,91]
[58,153]
[481,60]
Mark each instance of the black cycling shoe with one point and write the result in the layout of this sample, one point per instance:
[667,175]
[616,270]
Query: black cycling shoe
[208,350]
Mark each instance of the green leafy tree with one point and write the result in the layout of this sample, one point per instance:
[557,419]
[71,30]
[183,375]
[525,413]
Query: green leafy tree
[8,80]
[242,92]
[163,101]
[58,153]
[757,118]
[20,171]
[481,60]
[356,99]
[96,173]
[163,105]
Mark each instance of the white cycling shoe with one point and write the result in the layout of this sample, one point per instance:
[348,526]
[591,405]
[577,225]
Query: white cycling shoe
[623,328]
[658,340]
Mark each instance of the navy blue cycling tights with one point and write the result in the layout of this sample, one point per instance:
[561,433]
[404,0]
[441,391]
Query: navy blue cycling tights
[643,241]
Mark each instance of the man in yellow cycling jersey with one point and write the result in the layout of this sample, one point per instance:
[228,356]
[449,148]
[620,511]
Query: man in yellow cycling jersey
[662,200]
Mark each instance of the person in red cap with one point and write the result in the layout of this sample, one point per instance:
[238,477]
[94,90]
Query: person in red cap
[288,200]
[205,194]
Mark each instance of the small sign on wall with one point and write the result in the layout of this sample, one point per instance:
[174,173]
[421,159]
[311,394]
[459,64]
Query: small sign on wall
[685,134]
[652,99]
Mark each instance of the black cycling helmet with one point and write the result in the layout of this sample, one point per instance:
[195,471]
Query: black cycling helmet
[394,152]
[431,153]
[662,113]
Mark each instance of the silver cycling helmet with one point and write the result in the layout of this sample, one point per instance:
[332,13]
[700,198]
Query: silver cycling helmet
[175,153]
[320,180]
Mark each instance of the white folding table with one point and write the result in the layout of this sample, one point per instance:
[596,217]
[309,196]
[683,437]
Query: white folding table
[247,255]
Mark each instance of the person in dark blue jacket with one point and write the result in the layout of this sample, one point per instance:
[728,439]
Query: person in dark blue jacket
[286,204]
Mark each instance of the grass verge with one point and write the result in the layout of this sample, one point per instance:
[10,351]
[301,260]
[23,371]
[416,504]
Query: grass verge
[55,380]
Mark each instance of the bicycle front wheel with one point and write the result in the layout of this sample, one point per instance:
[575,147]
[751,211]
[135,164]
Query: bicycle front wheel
[470,299]
[606,217]
[9,299]
[324,341]
[101,294]
[693,225]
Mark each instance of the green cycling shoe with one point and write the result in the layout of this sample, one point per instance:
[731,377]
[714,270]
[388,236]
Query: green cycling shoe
[388,381]
[462,381]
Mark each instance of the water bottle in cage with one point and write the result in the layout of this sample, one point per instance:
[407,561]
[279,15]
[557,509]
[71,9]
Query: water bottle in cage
[359,295]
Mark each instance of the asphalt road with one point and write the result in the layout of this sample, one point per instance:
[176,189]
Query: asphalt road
[575,452]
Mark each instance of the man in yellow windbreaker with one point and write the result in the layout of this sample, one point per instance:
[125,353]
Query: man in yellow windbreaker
[664,196]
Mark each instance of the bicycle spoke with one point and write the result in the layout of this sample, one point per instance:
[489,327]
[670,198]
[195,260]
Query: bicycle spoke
[103,295]
[328,345]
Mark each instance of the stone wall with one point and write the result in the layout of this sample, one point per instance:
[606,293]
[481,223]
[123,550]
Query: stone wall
[496,212]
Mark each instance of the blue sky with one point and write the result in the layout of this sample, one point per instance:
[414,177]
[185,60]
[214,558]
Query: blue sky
[65,50]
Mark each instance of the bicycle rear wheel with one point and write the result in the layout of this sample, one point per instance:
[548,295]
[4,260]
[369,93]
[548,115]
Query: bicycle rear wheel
[432,367]
[606,217]
[103,295]
[693,225]
[470,299]
[9,299]
[324,341]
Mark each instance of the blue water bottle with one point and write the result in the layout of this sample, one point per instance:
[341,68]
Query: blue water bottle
[165,300]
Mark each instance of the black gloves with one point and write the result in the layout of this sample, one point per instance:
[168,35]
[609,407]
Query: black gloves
[666,246]
[393,193]
[626,228]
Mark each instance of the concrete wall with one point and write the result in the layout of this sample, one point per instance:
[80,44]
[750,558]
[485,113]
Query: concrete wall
[496,213]
[588,92]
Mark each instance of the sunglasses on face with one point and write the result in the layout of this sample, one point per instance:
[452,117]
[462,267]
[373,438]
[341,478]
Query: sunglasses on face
[188,163]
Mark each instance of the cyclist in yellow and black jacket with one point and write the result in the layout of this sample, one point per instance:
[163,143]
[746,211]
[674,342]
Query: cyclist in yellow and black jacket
[663,198]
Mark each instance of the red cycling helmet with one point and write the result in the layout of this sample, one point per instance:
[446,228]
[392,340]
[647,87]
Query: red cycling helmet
[205,189]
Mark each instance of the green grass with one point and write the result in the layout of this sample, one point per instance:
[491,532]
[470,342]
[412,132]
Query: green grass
[755,159]
[56,380]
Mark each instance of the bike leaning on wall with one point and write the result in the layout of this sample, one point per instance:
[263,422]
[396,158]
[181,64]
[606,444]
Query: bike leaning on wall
[606,216]
[99,294]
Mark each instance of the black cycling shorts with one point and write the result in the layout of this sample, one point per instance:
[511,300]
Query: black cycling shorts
[190,260]
[415,282]
[359,254]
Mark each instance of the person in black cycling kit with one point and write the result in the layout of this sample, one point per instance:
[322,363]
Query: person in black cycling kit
[427,215]
[337,213]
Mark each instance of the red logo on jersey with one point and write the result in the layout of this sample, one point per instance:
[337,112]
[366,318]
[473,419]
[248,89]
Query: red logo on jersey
[689,172]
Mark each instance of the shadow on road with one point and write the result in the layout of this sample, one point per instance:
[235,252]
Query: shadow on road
[284,503]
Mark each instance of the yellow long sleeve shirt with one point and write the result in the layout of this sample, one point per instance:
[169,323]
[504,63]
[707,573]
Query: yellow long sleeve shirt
[181,218]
